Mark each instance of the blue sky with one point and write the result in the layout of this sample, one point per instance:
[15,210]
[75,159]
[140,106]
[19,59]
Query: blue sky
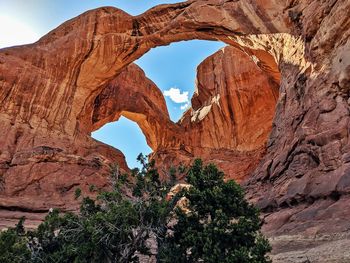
[172,68]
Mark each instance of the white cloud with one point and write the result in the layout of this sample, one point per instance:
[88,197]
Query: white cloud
[176,95]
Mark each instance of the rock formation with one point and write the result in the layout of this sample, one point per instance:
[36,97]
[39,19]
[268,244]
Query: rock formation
[55,92]
[234,96]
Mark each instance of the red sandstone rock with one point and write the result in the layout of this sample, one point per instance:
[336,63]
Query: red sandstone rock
[233,96]
[48,100]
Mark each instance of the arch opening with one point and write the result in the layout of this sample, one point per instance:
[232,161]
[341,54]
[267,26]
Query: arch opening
[173,69]
[134,97]
[229,117]
[125,135]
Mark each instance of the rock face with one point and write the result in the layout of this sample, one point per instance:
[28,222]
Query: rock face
[233,96]
[55,92]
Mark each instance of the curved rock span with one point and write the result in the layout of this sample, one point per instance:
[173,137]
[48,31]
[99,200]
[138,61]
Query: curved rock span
[271,110]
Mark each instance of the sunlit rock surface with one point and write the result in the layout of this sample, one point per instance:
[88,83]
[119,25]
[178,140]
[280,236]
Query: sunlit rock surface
[230,118]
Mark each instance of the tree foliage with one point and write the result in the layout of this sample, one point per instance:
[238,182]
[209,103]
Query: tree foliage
[117,226]
[13,245]
[218,224]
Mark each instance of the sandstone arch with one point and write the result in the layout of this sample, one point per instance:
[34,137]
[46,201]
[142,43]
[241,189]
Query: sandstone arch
[47,90]
[107,42]
[125,96]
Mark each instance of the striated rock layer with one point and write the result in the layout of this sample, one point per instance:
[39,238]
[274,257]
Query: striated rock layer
[55,92]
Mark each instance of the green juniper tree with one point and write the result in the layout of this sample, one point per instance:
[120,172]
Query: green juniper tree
[218,224]
[13,245]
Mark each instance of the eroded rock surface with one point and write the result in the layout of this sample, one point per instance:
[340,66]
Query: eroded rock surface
[233,96]
[56,91]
